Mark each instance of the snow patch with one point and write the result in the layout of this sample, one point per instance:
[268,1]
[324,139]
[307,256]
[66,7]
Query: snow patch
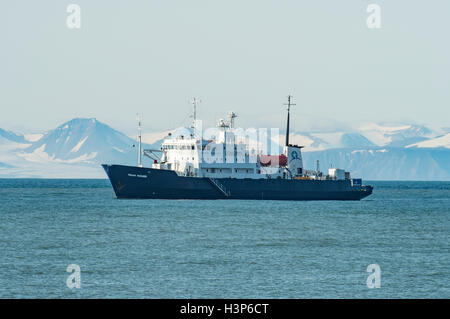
[395,135]
[441,141]
[79,159]
[33,137]
[381,128]
[77,147]
[151,138]
[358,151]
[37,156]
[331,138]
[303,140]
[40,156]
[118,149]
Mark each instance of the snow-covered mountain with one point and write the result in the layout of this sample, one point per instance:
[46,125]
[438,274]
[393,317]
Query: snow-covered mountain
[390,163]
[85,141]
[323,141]
[369,135]
[74,149]
[78,147]
[11,136]
[376,151]
[395,135]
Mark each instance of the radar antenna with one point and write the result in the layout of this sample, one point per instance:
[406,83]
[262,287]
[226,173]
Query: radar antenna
[221,123]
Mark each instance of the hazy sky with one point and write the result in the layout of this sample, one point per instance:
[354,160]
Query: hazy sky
[246,56]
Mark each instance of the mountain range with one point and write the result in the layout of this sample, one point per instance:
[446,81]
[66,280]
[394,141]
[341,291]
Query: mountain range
[76,149]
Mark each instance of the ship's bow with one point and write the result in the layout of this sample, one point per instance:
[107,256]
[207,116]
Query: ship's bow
[365,191]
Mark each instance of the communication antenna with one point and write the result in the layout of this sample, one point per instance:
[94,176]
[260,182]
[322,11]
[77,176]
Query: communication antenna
[232,116]
[139,118]
[194,102]
[289,104]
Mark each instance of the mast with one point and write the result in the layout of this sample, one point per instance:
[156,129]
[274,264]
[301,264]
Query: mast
[194,103]
[232,116]
[140,140]
[287,125]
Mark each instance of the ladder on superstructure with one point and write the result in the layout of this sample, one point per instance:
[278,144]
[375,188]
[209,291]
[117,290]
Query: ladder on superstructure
[220,187]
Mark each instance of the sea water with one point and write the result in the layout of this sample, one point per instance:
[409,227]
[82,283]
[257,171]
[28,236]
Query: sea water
[222,248]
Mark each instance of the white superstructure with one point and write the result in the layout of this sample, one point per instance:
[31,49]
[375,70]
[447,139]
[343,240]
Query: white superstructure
[222,157]
[228,154]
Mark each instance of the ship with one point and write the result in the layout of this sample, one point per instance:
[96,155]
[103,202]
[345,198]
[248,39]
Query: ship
[225,165]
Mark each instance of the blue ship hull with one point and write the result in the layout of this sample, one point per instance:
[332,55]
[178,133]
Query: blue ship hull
[140,182]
